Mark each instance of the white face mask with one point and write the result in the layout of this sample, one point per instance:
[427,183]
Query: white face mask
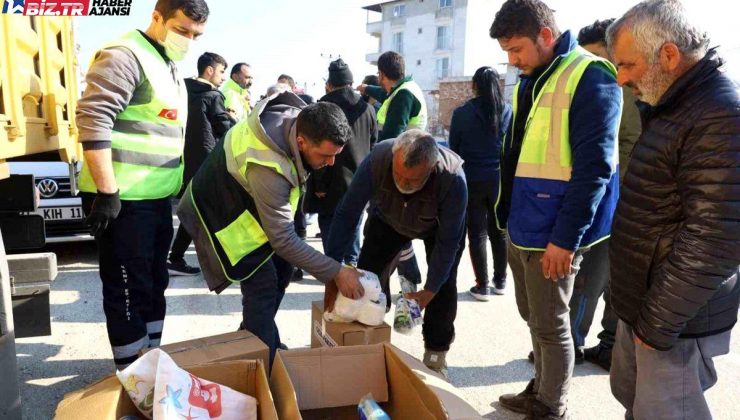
[176,45]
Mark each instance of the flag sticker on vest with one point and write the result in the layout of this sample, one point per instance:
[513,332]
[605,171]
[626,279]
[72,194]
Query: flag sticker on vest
[170,114]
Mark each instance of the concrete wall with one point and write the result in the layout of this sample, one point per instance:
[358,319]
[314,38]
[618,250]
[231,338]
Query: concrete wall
[452,94]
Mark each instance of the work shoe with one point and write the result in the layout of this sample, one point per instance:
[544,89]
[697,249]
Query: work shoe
[436,361]
[599,355]
[181,268]
[481,293]
[282,347]
[297,275]
[579,356]
[499,285]
[519,403]
[539,411]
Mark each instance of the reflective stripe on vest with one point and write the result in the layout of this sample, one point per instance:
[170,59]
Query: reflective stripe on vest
[147,139]
[244,235]
[546,151]
[420,120]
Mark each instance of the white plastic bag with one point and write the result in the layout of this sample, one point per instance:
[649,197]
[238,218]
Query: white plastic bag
[369,310]
[163,391]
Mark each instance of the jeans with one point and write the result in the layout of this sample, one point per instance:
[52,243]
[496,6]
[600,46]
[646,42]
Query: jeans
[591,282]
[382,244]
[663,385]
[261,297]
[325,227]
[132,256]
[481,225]
[543,303]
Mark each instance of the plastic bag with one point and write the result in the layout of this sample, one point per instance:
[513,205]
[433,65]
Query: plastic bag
[368,409]
[369,310]
[407,316]
[163,391]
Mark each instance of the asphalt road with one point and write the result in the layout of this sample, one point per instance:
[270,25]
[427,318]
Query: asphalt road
[487,359]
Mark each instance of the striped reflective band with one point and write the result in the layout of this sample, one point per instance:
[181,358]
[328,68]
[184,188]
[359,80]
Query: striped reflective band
[147,128]
[145,159]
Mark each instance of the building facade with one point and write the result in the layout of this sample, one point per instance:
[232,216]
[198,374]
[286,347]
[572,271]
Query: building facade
[439,39]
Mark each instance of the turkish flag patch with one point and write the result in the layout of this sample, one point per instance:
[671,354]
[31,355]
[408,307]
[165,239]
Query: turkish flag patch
[170,114]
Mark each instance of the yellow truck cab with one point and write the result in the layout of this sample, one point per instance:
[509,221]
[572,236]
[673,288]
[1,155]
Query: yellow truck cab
[38,97]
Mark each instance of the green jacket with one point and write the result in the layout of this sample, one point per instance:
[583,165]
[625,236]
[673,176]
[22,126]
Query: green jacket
[400,111]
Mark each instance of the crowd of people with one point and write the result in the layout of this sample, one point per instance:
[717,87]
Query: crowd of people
[612,172]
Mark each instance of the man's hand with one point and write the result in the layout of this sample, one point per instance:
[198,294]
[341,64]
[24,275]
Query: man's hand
[104,210]
[320,194]
[346,282]
[361,88]
[642,343]
[423,297]
[556,262]
[231,112]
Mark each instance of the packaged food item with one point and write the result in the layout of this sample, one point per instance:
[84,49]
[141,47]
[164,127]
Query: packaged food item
[407,316]
[368,409]
[369,310]
[161,390]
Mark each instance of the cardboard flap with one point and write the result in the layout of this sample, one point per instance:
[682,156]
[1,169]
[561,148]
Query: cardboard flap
[101,401]
[406,386]
[336,377]
[453,403]
[286,402]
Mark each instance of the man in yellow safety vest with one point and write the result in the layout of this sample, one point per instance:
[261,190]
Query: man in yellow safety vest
[132,127]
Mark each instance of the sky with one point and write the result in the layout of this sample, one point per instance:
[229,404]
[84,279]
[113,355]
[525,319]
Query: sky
[301,37]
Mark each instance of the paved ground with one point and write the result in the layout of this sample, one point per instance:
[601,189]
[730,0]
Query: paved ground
[487,359]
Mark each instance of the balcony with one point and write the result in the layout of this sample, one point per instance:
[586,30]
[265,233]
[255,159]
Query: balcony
[375,28]
[372,57]
[444,13]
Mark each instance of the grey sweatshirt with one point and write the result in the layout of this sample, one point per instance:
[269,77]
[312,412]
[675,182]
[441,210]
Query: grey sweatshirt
[271,191]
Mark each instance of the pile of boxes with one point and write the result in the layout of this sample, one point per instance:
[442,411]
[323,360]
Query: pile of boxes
[346,362]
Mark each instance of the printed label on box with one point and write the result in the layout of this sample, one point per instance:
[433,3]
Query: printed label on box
[318,331]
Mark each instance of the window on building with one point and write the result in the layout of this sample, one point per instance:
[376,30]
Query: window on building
[399,10]
[419,30]
[445,3]
[443,37]
[443,68]
[418,62]
[398,42]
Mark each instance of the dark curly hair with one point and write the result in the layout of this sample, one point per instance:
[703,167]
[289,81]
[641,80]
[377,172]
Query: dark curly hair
[523,18]
[594,33]
[323,121]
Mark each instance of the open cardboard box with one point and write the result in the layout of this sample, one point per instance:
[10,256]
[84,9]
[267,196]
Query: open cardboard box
[239,345]
[328,383]
[335,334]
[107,400]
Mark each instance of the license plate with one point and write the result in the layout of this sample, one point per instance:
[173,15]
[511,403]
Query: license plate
[60,213]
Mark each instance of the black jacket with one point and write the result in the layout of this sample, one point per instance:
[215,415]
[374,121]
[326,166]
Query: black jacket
[208,122]
[335,180]
[675,245]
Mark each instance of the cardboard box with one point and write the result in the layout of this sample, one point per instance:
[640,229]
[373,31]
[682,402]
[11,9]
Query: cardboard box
[107,400]
[239,345]
[335,334]
[328,383]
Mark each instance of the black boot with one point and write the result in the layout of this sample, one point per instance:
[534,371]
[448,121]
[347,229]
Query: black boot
[519,403]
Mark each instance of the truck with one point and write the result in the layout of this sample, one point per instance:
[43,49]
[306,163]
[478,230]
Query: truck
[38,97]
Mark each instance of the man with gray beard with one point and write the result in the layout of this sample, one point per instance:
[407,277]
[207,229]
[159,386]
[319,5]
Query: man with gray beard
[674,252]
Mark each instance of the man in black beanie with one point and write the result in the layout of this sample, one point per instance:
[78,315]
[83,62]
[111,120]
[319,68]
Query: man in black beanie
[327,186]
